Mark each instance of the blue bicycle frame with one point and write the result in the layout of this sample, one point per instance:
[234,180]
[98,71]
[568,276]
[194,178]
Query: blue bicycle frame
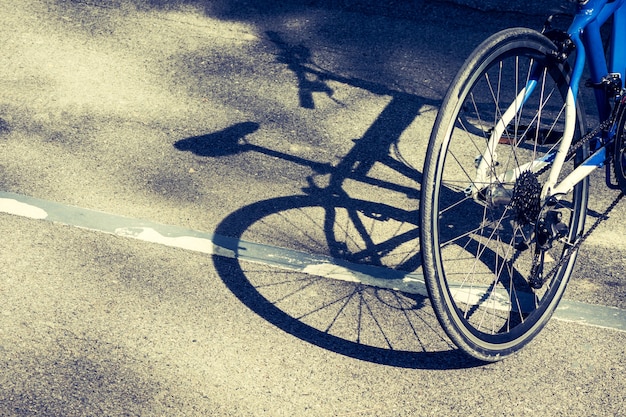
[585,34]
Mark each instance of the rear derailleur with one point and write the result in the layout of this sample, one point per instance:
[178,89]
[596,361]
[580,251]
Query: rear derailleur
[549,228]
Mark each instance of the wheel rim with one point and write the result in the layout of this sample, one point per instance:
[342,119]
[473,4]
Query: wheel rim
[478,263]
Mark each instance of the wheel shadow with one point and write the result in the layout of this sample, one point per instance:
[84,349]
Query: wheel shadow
[321,302]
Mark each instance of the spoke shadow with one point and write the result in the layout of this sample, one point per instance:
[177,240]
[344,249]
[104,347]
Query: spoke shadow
[375,324]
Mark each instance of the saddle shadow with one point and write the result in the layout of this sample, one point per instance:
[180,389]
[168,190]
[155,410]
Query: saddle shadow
[225,142]
[232,141]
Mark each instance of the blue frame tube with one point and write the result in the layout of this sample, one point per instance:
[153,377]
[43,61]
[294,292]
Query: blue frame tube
[585,33]
[597,65]
[617,57]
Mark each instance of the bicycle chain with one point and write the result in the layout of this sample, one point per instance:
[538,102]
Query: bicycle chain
[536,278]
[580,240]
[578,144]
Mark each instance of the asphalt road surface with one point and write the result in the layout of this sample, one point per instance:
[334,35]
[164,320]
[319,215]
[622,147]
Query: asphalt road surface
[242,120]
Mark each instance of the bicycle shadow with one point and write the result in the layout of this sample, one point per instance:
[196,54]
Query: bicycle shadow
[351,235]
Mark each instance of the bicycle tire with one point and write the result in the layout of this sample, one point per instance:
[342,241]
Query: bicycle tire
[476,269]
[619,153]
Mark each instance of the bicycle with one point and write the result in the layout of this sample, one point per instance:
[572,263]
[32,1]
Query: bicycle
[506,176]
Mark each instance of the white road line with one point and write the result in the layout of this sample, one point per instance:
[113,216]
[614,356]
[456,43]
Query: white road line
[319,265]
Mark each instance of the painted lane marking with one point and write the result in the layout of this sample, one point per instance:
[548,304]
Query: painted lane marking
[212,244]
[18,208]
[318,265]
[148,234]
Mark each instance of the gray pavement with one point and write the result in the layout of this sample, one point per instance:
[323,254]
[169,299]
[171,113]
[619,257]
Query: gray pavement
[231,118]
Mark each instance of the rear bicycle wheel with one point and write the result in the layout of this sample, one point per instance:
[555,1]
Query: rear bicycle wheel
[478,233]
